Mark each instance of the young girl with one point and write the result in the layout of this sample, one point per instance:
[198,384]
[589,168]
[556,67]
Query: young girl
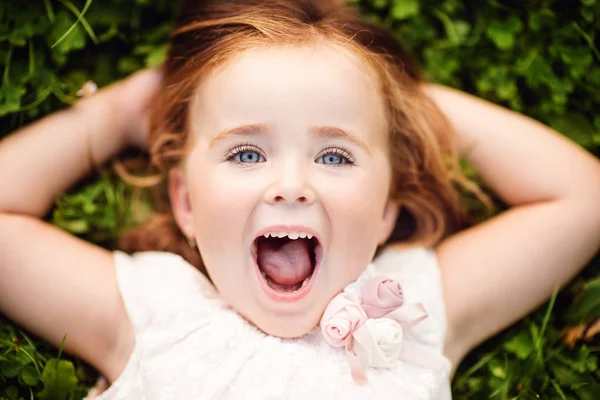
[297,140]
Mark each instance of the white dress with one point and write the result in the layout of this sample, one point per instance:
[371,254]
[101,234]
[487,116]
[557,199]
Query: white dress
[189,345]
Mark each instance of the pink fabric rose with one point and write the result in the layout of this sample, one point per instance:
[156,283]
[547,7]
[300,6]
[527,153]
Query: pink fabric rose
[370,340]
[381,295]
[341,318]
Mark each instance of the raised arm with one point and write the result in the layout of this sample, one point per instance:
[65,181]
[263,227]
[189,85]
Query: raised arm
[498,271]
[50,282]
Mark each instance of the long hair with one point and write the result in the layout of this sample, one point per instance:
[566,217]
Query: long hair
[209,33]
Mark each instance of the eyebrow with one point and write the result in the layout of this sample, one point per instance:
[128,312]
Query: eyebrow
[323,132]
[244,130]
[331,132]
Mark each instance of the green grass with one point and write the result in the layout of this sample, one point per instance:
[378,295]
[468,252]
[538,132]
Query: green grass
[537,56]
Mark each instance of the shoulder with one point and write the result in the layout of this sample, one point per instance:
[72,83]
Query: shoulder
[151,282]
[154,288]
[152,262]
[397,257]
[155,268]
[418,272]
[417,267]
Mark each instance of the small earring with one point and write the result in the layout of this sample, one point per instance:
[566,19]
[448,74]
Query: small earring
[192,242]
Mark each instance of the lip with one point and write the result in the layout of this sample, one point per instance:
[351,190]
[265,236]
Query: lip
[300,293]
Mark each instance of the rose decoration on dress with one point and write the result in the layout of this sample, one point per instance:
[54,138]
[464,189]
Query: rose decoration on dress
[388,336]
[371,327]
[381,295]
[341,318]
[379,342]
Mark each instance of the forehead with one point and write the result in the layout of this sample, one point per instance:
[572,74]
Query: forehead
[292,88]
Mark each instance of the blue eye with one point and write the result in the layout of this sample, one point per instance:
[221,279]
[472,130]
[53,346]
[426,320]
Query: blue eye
[249,157]
[245,154]
[331,159]
[335,157]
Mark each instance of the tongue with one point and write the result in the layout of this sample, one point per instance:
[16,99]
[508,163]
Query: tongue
[286,262]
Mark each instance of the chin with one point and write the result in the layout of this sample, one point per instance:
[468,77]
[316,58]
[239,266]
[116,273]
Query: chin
[287,327]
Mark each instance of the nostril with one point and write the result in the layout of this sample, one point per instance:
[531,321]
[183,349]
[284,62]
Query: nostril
[301,199]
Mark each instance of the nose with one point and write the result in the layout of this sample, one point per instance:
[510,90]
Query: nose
[291,185]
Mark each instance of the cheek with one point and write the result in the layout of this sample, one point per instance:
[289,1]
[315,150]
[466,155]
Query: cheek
[359,198]
[355,208]
[220,204]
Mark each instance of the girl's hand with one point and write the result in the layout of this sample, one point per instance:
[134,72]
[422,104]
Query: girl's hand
[131,99]
[126,105]
[134,96]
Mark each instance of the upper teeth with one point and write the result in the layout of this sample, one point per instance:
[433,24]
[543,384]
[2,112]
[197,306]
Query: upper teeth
[290,235]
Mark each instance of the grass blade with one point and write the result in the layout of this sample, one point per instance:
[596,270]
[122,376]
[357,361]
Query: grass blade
[49,11]
[80,18]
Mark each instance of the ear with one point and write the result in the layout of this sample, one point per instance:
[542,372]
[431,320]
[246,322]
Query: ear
[180,202]
[388,222]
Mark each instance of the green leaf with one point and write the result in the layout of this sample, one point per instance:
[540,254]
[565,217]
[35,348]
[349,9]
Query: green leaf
[587,305]
[578,128]
[513,24]
[457,31]
[10,369]
[537,71]
[76,227]
[542,18]
[59,379]
[74,40]
[12,393]
[10,98]
[21,34]
[80,20]
[563,374]
[405,9]
[502,38]
[156,56]
[29,375]
[128,65]
[520,345]
[380,4]
[441,65]
[453,6]
[576,55]
[502,33]
[585,361]
[588,14]
[589,391]
[497,369]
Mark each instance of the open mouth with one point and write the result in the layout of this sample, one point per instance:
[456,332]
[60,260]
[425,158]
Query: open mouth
[286,263]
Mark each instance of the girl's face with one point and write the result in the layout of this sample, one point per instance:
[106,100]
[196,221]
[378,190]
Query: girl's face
[289,141]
